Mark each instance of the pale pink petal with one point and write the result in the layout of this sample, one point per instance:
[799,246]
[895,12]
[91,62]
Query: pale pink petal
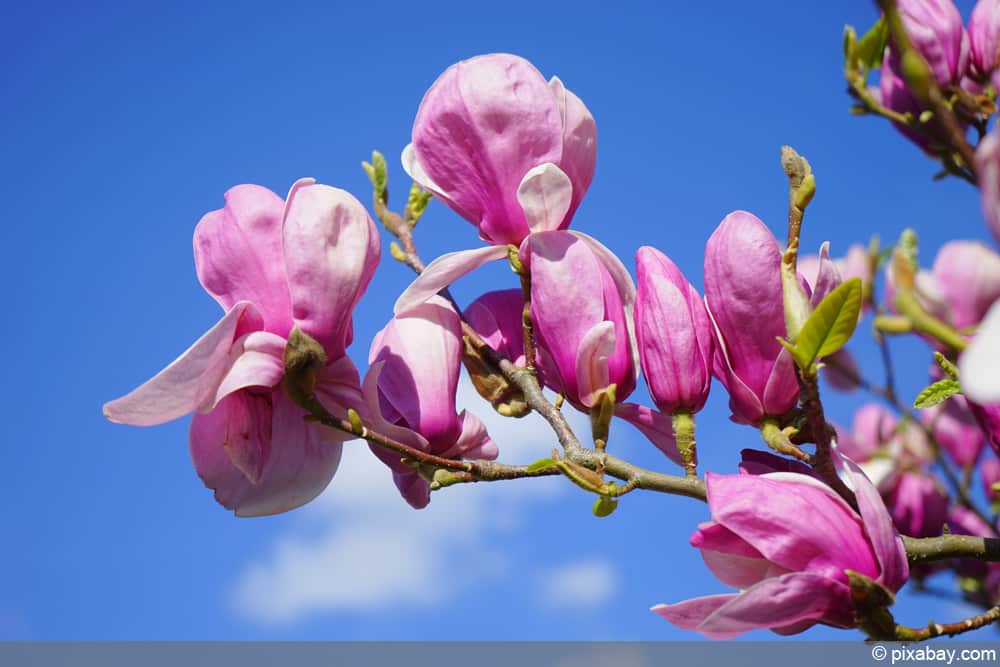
[237,254]
[730,558]
[592,362]
[189,382]
[690,614]
[545,194]
[443,271]
[415,170]
[331,250]
[656,426]
[259,362]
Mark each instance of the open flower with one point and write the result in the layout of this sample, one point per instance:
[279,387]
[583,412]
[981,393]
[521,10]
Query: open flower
[786,539]
[410,389]
[271,266]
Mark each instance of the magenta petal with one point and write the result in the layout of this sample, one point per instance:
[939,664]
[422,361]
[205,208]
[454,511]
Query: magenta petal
[443,271]
[190,382]
[302,459]
[827,277]
[825,540]
[730,558]
[656,426]
[237,253]
[782,389]
[498,318]
[887,545]
[331,250]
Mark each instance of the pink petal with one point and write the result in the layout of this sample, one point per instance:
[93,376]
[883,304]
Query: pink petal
[415,170]
[579,153]
[887,545]
[827,277]
[690,614]
[825,540]
[656,426]
[773,603]
[421,349]
[331,250]
[300,462]
[623,283]
[729,557]
[259,362]
[474,442]
[443,271]
[237,253]
[781,391]
[545,194]
[190,382]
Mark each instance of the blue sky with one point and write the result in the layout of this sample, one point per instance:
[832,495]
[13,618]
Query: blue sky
[122,125]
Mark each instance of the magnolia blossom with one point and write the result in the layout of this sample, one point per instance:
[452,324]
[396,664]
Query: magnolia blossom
[498,144]
[785,540]
[744,299]
[272,266]
[410,389]
[956,430]
[936,32]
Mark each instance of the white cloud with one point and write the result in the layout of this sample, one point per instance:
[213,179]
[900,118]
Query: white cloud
[361,548]
[581,584]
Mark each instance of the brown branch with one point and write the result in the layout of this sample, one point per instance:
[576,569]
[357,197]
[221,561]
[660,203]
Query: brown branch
[948,547]
[906,634]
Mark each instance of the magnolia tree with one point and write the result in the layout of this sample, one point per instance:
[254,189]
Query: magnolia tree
[824,528]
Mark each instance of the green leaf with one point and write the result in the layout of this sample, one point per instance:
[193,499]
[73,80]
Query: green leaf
[871,46]
[604,506]
[541,464]
[940,391]
[850,43]
[830,325]
[949,368]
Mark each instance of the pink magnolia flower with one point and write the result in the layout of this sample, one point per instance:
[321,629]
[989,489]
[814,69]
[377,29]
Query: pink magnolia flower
[789,564]
[495,142]
[579,314]
[410,389]
[744,299]
[984,38]
[271,266]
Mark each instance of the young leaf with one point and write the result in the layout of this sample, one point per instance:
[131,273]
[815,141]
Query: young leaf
[830,325]
[871,46]
[938,392]
[949,368]
[540,464]
[604,506]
